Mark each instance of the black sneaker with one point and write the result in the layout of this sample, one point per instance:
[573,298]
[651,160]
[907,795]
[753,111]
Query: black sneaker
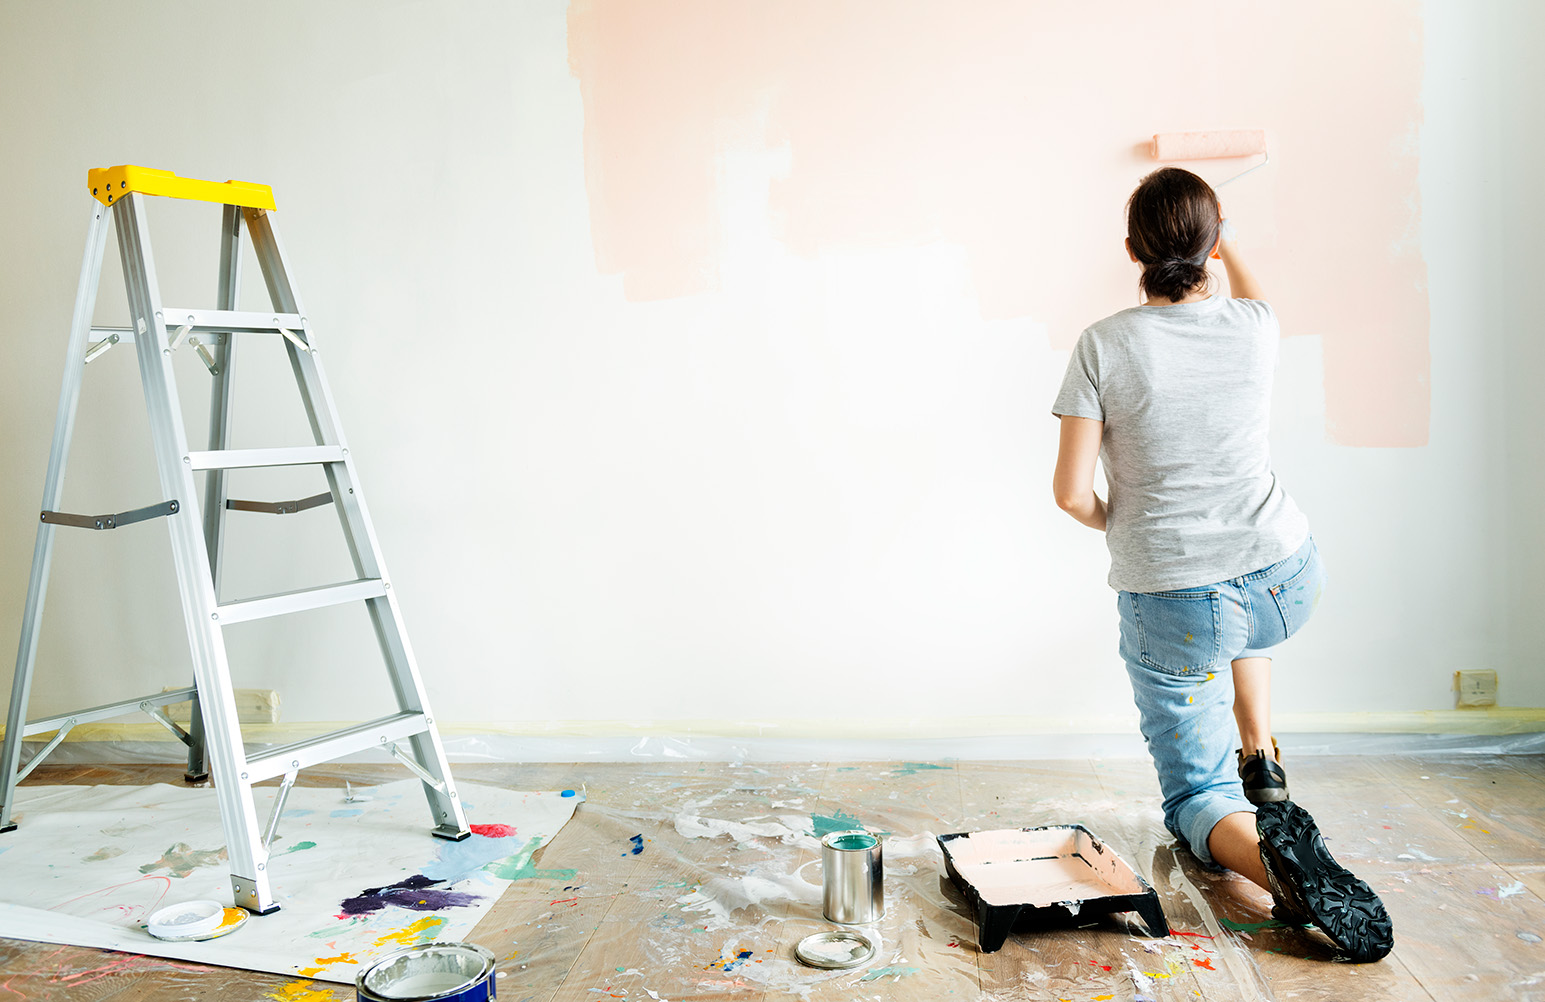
[1311,887]
[1261,773]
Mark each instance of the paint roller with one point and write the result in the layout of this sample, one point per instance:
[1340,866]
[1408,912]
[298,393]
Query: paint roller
[1222,145]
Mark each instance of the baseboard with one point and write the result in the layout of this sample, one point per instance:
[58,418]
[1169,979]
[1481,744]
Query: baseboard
[1482,721]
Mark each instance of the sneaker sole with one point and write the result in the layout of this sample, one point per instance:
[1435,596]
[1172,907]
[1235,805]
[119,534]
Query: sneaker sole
[1268,796]
[1310,883]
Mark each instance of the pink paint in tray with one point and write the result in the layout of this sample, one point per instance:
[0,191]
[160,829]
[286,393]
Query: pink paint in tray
[1036,878]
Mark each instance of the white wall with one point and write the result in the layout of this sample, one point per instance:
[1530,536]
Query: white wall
[715,508]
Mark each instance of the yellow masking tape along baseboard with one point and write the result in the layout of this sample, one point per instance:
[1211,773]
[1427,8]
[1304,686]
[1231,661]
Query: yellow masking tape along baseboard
[1492,720]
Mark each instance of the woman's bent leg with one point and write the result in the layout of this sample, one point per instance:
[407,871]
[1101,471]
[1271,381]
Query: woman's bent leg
[1252,702]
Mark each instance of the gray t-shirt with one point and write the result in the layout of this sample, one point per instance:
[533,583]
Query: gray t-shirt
[1185,394]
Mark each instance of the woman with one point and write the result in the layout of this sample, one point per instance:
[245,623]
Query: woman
[1212,561]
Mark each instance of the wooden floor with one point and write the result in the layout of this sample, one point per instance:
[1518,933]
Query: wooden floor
[711,909]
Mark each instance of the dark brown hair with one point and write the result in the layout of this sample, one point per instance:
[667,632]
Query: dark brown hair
[1172,224]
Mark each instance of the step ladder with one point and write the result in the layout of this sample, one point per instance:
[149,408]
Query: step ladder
[196,520]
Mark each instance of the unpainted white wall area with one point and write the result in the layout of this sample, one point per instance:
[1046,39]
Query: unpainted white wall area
[739,507]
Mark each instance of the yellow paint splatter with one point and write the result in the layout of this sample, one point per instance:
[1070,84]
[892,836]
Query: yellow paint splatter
[325,962]
[1188,638]
[1211,675]
[300,991]
[1190,700]
[421,931]
[1102,998]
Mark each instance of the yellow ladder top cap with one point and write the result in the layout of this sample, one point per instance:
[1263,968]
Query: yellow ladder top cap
[108,184]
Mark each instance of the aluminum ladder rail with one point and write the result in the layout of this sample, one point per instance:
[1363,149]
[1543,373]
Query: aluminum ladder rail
[196,521]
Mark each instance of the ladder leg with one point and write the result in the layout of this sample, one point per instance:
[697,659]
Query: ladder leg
[43,549]
[428,752]
[211,669]
[224,351]
[445,807]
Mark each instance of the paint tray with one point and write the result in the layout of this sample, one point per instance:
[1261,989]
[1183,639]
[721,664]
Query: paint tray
[1019,879]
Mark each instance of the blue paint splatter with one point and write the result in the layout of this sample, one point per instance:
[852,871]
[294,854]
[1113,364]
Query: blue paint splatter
[297,812]
[728,964]
[457,861]
[638,845]
[567,793]
[913,768]
[894,971]
[347,812]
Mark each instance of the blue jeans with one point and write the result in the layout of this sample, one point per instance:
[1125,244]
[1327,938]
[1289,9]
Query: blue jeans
[1177,646]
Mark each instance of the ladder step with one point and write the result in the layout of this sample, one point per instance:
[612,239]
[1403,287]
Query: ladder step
[267,606]
[232,459]
[335,745]
[234,321]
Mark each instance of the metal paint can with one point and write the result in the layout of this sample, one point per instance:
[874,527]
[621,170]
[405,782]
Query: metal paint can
[434,972]
[852,878]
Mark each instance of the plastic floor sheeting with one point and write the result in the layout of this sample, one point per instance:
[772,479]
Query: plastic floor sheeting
[694,880]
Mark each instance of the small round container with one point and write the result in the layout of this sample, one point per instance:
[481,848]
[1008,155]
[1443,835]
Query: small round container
[852,878]
[192,921]
[837,950]
[435,972]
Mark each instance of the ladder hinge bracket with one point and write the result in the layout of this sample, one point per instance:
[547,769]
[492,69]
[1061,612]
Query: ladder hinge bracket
[110,521]
[294,339]
[99,348]
[205,356]
[281,507]
[171,725]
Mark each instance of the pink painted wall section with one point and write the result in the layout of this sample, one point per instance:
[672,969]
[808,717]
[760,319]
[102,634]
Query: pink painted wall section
[1016,130]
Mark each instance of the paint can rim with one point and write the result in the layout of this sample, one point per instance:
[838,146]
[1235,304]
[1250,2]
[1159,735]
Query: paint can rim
[477,973]
[868,839]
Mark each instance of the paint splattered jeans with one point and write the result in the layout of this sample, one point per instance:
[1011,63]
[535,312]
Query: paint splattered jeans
[1177,646]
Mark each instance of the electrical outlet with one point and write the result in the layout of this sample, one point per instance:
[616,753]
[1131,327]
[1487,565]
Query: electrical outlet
[1475,687]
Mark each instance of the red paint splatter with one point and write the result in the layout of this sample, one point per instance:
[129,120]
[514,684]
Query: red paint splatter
[1177,932]
[571,902]
[493,831]
[1204,963]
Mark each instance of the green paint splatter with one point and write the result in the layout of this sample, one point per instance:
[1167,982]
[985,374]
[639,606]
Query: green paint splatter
[889,972]
[298,846]
[913,768]
[518,866]
[1254,926]
[824,824]
[182,859]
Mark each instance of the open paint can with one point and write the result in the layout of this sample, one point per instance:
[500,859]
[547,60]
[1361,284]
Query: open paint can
[435,972]
[852,878]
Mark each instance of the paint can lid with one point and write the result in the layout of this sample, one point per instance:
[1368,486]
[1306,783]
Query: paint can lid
[836,950]
[194,920]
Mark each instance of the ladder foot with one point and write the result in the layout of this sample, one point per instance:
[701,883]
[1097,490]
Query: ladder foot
[450,834]
[8,828]
[195,777]
[266,911]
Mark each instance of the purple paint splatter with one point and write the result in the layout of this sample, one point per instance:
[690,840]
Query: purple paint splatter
[417,893]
